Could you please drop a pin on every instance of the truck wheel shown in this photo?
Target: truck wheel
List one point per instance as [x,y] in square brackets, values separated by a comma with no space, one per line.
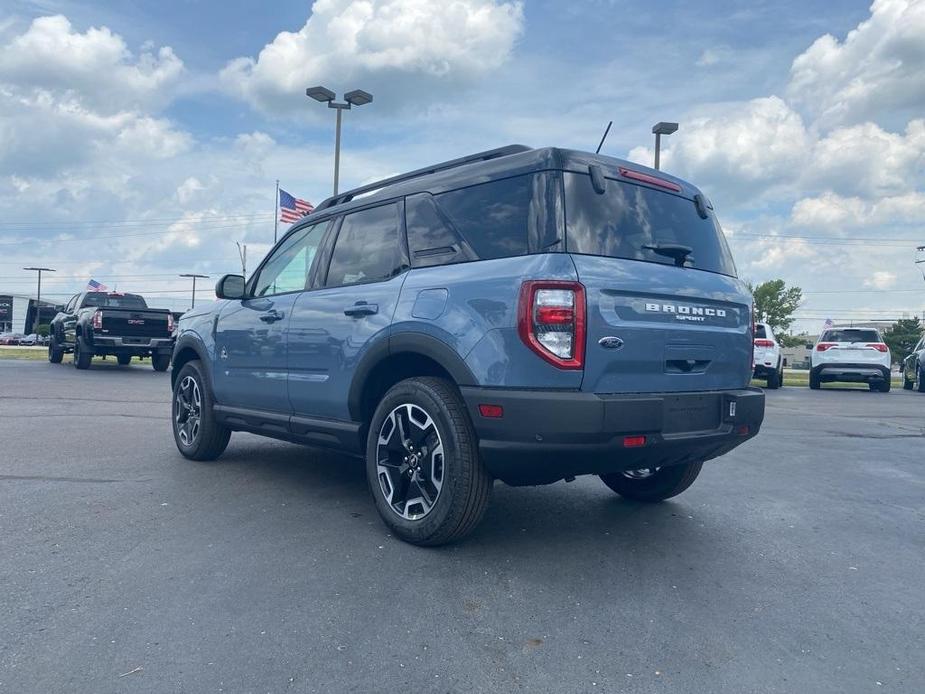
[55,353]
[124,359]
[160,362]
[813,381]
[653,484]
[82,354]
[197,435]
[423,465]
[774,380]
[920,380]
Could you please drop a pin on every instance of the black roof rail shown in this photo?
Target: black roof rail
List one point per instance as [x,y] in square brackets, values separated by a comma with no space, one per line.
[349,195]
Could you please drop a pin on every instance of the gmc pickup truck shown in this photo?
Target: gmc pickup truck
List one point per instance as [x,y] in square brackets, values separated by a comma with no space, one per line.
[97,324]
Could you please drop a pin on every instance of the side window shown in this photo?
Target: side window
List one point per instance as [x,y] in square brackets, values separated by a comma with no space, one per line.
[72,304]
[289,268]
[430,240]
[499,219]
[368,247]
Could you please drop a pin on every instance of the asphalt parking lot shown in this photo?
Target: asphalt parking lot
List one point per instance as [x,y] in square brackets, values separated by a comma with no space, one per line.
[794,564]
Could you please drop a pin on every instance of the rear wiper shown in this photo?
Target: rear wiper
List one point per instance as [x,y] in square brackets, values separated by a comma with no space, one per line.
[677,251]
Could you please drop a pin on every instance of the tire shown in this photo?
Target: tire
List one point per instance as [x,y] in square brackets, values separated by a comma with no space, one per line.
[451,489]
[55,353]
[884,387]
[774,380]
[160,362]
[82,354]
[907,384]
[920,380]
[663,484]
[206,439]
[813,381]
[124,359]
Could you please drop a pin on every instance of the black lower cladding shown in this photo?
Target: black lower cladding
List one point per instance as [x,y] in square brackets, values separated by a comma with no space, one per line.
[860,373]
[544,436]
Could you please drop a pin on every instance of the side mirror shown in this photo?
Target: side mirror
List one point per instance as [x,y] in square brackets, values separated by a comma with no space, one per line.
[230,287]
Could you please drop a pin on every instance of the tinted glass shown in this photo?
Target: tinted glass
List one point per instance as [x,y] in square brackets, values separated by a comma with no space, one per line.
[289,268]
[850,335]
[760,331]
[620,222]
[430,239]
[497,218]
[114,301]
[368,248]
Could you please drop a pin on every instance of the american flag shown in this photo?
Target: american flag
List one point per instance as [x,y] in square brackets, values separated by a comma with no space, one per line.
[292,209]
[94,286]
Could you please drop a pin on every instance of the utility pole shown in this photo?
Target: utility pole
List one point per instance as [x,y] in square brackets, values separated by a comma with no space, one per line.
[38,295]
[242,254]
[194,276]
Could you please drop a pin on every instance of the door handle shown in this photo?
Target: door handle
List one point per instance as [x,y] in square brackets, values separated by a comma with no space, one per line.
[361,308]
[271,316]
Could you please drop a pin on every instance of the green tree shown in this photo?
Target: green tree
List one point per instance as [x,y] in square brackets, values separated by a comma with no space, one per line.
[793,340]
[902,336]
[775,303]
[43,329]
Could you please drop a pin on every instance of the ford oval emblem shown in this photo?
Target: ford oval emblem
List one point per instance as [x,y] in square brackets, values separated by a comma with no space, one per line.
[610,342]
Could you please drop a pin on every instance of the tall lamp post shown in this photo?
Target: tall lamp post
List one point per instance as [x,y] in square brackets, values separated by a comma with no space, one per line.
[355,98]
[659,129]
[38,295]
[194,276]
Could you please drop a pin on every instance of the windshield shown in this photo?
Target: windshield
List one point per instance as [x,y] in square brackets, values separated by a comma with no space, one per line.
[626,218]
[851,335]
[115,300]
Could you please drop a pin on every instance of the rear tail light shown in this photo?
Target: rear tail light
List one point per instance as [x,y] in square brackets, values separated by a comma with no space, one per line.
[551,321]
[764,343]
[170,323]
[823,346]
[98,320]
[879,346]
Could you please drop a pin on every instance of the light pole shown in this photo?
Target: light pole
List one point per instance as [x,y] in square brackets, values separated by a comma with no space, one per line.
[194,276]
[38,295]
[355,98]
[659,129]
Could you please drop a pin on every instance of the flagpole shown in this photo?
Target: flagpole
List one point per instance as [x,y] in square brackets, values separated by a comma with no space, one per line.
[276,212]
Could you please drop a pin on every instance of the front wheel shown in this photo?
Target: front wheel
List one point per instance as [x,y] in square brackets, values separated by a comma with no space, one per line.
[423,465]
[55,353]
[920,380]
[124,359]
[653,484]
[813,381]
[160,362]
[197,435]
[774,379]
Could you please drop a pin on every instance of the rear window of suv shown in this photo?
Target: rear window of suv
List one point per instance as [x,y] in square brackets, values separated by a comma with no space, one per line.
[850,335]
[619,222]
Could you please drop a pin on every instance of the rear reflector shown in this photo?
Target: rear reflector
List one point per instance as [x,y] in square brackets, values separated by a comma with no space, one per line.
[879,346]
[491,411]
[742,430]
[651,180]
[634,441]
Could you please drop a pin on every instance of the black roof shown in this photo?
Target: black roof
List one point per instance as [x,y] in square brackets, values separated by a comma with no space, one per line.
[483,167]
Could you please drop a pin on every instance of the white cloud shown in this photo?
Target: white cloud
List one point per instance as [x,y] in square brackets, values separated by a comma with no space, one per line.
[881,279]
[95,68]
[401,43]
[880,65]
[832,211]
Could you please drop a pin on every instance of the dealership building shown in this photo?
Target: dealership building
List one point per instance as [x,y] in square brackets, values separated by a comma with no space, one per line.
[17,313]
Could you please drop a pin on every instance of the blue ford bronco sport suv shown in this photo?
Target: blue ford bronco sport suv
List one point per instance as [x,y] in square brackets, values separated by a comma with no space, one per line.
[522,314]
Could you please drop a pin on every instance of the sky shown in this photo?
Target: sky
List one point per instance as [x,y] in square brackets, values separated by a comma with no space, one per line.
[141,140]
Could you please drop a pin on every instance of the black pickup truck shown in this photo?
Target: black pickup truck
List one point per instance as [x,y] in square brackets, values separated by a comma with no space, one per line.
[97,324]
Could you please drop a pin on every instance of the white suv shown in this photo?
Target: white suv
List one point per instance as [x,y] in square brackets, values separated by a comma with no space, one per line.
[768,361]
[856,355]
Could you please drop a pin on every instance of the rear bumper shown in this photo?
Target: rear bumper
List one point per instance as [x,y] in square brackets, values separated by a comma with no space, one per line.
[546,436]
[133,345]
[857,373]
